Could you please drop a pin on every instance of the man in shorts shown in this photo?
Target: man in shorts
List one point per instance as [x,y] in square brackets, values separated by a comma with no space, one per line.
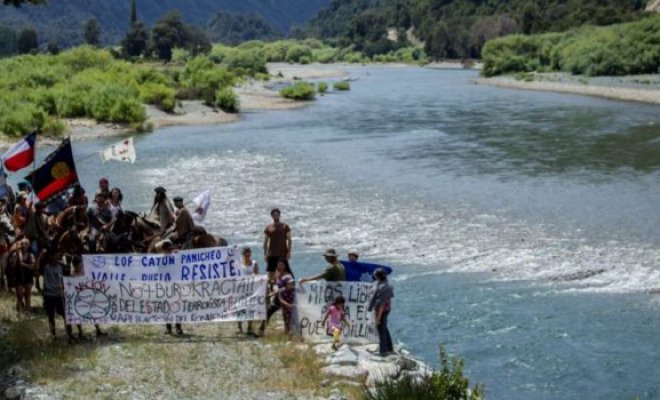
[53,291]
[277,244]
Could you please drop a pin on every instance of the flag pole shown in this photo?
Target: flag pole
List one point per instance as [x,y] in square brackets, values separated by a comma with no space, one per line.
[34,163]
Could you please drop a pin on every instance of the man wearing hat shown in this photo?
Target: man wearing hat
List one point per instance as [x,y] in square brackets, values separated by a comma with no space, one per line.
[183,222]
[162,212]
[334,271]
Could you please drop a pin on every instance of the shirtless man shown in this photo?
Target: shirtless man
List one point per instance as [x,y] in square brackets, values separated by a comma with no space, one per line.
[277,243]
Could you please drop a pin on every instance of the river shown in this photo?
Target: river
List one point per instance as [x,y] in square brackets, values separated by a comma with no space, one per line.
[523,226]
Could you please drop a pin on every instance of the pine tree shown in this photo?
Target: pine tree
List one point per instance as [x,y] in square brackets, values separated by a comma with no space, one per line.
[134,17]
[27,41]
[92,32]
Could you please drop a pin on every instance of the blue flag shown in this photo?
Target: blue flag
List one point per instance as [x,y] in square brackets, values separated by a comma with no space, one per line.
[362,272]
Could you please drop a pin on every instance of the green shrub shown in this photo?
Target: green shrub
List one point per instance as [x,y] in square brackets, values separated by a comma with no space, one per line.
[251,61]
[83,57]
[341,85]
[227,100]
[115,103]
[20,117]
[298,91]
[296,52]
[324,55]
[159,95]
[53,126]
[448,383]
[321,87]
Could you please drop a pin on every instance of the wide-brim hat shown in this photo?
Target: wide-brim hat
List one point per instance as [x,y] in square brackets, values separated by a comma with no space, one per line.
[160,189]
[330,253]
[177,199]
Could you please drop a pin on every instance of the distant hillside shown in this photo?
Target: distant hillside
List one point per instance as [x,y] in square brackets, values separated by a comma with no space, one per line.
[459,28]
[62,20]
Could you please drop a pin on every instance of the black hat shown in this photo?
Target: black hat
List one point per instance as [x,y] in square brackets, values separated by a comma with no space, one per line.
[177,199]
[160,189]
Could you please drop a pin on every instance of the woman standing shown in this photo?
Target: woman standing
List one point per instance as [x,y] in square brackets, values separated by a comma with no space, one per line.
[381,304]
[248,267]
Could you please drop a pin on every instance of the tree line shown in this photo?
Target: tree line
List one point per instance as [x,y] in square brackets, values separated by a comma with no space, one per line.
[140,39]
[457,28]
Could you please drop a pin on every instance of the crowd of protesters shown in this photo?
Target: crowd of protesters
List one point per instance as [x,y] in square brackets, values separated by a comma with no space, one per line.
[45,241]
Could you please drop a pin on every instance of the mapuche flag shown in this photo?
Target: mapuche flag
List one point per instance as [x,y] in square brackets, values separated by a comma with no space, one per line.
[56,174]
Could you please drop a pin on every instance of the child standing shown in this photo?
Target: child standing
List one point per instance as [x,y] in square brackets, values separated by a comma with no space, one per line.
[337,315]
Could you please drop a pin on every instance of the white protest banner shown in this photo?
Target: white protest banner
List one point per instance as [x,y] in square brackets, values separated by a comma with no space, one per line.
[313,300]
[134,302]
[185,265]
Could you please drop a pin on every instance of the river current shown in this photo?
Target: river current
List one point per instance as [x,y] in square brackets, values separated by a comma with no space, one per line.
[522,226]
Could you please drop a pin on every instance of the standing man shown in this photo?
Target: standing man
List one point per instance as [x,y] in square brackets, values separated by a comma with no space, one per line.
[334,271]
[277,244]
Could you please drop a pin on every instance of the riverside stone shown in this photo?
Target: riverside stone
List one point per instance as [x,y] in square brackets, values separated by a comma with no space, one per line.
[344,356]
[14,393]
[345,371]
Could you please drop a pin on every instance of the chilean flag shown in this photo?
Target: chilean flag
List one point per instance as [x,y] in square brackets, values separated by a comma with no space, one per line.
[21,154]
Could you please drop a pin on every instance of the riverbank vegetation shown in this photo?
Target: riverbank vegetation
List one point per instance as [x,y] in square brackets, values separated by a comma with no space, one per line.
[39,91]
[455,29]
[448,382]
[622,49]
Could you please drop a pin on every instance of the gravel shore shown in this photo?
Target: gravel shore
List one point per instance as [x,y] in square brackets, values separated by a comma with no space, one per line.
[623,89]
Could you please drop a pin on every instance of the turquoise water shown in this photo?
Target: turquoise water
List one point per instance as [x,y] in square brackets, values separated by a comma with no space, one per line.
[523,226]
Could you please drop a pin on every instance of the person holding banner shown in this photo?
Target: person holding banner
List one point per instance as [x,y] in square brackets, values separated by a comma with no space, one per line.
[249,267]
[167,247]
[334,271]
[285,297]
[381,304]
[53,293]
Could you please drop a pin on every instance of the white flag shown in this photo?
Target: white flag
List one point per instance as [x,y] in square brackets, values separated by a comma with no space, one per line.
[122,151]
[202,203]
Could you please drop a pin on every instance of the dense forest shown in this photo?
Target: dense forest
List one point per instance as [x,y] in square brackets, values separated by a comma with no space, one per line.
[62,21]
[457,28]
[230,28]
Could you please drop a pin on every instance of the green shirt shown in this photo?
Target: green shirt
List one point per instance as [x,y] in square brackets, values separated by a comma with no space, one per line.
[334,272]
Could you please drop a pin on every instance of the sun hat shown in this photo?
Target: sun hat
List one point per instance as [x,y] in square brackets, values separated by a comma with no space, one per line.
[330,253]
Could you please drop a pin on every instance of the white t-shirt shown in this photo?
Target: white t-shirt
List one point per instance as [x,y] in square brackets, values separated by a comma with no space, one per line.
[248,269]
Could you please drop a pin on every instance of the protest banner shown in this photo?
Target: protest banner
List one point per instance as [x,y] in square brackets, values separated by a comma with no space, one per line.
[136,302]
[313,300]
[186,265]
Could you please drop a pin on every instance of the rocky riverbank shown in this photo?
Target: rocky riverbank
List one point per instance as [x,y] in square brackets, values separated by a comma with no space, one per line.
[644,89]
[209,361]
